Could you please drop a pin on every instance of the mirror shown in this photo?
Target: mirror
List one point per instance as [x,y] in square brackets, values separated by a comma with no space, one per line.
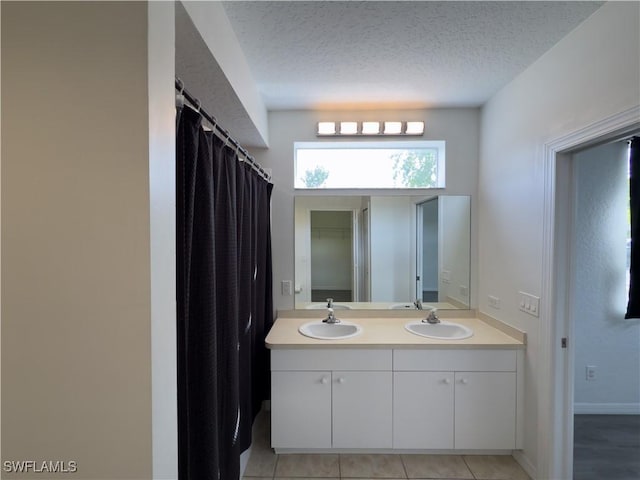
[382,252]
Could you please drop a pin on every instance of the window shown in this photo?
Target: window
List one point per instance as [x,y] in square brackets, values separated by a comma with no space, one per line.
[369,165]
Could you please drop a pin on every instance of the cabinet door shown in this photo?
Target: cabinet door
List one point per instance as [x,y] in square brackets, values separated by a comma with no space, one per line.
[301,409]
[362,409]
[423,410]
[485,410]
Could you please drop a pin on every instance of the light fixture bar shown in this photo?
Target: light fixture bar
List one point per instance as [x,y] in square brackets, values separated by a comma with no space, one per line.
[370,128]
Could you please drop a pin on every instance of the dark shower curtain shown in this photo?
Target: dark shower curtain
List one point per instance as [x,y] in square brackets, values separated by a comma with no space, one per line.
[224,300]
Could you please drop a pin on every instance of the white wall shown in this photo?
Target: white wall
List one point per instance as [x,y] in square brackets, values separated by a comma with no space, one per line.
[458,127]
[76,290]
[162,205]
[454,213]
[392,250]
[591,74]
[603,338]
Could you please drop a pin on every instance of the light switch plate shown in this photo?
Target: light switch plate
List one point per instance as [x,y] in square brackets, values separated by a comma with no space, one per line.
[529,304]
[494,301]
[287,287]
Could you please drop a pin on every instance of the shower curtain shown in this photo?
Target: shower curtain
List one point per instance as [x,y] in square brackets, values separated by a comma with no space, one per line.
[224,300]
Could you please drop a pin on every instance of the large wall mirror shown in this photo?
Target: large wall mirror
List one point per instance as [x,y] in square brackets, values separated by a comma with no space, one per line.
[382,252]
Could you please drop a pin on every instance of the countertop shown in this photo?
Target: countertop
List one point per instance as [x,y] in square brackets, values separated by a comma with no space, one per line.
[389,332]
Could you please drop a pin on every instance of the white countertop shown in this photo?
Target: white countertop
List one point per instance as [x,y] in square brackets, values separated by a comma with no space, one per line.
[389,332]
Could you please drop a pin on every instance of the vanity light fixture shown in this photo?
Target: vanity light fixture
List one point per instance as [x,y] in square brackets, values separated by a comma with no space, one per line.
[414,128]
[326,128]
[392,128]
[348,128]
[370,128]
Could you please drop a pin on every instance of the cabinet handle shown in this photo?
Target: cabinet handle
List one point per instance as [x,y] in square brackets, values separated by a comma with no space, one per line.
[324,380]
[446,381]
[341,380]
[464,381]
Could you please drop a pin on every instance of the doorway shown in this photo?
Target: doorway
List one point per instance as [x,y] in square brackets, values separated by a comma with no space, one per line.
[332,256]
[606,374]
[427,253]
[555,406]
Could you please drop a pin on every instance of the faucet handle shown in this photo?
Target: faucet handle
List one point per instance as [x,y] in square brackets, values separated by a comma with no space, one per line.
[329,302]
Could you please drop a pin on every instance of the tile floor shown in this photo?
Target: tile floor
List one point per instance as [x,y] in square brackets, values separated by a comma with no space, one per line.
[264,464]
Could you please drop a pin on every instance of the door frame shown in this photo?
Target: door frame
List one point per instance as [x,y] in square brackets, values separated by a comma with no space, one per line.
[555,373]
[355,246]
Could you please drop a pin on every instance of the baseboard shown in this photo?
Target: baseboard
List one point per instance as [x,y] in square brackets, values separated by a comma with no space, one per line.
[606,408]
[525,463]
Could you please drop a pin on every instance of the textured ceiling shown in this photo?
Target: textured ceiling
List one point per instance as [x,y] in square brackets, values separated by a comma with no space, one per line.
[326,54]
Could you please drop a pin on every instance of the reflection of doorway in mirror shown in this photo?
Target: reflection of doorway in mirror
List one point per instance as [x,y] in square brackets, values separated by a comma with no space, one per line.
[332,246]
[427,255]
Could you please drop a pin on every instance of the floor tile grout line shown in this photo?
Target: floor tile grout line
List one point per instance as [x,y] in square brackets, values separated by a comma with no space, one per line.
[406,473]
[275,466]
[468,467]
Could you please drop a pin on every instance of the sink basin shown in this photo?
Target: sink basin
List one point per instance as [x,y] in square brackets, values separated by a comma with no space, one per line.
[441,331]
[323,306]
[330,331]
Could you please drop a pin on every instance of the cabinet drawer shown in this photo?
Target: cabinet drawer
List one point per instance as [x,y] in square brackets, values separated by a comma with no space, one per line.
[331,359]
[455,360]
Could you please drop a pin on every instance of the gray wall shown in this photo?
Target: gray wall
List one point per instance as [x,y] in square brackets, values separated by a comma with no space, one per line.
[603,338]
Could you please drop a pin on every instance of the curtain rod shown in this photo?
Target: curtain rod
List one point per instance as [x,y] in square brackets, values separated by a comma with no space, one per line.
[221,132]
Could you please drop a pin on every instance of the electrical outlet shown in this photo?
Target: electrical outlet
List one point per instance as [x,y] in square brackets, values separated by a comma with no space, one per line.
[494,301]
[590,373]
[464,290]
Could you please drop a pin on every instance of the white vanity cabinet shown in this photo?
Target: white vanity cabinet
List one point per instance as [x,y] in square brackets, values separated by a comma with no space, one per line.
[331,398]
[460,399]
[301,409]
[423,410]
[401,399]
[485,410]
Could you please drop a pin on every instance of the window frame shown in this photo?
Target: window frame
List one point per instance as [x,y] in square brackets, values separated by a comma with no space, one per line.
[438,145]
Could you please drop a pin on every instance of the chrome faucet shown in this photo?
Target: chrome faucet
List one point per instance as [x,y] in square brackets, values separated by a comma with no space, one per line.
[432,317]
[331,318]
[418,304]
